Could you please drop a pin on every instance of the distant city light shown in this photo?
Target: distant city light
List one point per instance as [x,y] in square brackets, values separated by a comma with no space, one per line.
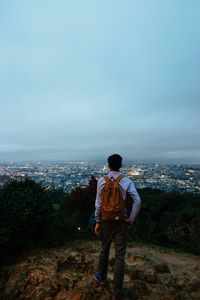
[68,176]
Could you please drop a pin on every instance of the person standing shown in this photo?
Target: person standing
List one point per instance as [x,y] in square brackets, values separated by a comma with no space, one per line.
[114,228]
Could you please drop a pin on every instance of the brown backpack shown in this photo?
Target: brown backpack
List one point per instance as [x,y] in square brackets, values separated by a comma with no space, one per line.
[112,204]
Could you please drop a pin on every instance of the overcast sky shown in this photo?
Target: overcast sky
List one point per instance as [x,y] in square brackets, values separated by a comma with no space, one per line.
[84,79]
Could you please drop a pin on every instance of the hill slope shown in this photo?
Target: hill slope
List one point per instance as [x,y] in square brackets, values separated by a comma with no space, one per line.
[66,274]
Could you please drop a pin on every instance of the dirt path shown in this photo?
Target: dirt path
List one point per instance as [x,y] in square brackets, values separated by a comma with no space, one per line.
[173,259]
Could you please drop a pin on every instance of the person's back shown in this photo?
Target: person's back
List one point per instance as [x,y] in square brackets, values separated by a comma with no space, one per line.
[114,229]
[112,202]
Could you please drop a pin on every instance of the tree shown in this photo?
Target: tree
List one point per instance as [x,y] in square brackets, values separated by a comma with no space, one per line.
[25,213]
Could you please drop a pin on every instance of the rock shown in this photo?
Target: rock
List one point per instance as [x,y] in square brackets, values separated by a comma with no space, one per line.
[132,294]
[34,284]
[65,274]
[181,295]
[151,276]
[75,262]
[141,286]
[137,259]
[72,296]
[136,272]
[168,297]
[62,295]
[194,284]
[161,268]
[136,290]
[66,280]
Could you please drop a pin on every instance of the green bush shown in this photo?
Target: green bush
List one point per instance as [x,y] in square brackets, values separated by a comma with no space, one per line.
[26,213]
[169,219]
[79,204]
[65,226]
[29,218]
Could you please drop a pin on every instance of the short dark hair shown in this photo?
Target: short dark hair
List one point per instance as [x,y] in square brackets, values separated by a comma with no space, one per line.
[115,162]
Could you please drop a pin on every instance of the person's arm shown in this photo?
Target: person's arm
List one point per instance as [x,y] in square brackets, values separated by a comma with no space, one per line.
[136,202]
[98,207]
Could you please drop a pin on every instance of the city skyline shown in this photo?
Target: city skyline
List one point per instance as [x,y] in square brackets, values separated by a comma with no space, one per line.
[83,80]
[69,175]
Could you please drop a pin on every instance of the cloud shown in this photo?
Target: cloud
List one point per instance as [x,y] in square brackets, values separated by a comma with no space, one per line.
[84,79]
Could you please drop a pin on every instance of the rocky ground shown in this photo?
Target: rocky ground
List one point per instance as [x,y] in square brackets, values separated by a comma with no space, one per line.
[66,274]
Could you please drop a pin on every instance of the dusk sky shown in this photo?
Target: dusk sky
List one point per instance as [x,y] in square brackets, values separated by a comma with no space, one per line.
[80,80]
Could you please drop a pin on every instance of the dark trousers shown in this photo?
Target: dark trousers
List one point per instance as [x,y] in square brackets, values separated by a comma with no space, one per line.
[113,231]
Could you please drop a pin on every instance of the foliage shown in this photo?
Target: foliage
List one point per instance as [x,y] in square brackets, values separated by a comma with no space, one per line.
[30,216]
[79,205]
[169,219]
[26,213]
[56,195]
[166,218]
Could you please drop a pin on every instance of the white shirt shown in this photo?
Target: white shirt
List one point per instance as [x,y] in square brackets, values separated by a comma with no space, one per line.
[127,186]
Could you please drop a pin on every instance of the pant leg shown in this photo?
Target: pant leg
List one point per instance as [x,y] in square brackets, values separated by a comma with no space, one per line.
[120,251]
[107,235]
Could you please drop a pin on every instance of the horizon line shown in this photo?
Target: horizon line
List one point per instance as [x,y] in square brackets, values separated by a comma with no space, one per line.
[145,161]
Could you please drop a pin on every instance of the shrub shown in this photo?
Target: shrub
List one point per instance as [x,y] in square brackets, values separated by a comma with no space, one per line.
[169,219]
[25,213]
[79,205]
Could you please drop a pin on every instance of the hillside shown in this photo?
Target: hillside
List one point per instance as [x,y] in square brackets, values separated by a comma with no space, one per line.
[65,273]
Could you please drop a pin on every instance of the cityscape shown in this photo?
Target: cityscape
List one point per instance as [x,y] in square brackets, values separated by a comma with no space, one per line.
[70,175]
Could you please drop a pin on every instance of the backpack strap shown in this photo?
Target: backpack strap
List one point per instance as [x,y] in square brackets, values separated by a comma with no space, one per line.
[117,180]
[107,179]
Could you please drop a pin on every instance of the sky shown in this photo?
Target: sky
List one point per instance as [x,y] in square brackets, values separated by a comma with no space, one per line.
[80,80]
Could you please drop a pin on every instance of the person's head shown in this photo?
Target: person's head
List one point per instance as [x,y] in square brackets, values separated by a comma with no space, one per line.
[115,162]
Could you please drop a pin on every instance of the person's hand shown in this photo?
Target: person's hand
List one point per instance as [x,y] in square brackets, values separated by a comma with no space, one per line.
[97,228]
[129,223]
